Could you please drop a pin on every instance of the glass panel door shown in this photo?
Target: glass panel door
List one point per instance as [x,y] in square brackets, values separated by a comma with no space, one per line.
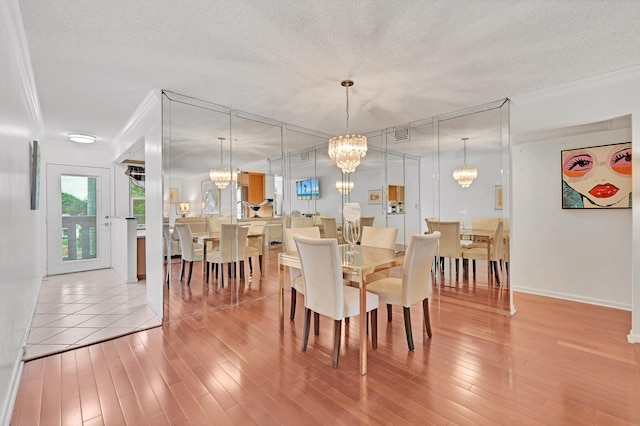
[78,230]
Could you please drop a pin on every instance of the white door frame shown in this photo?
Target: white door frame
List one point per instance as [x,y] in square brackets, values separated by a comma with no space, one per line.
[55,264]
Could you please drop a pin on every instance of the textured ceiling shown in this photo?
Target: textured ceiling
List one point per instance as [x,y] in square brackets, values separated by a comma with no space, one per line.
[94,61]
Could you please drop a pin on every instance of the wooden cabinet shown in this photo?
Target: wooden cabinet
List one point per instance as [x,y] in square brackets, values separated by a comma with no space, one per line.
[141,258]
[396,193]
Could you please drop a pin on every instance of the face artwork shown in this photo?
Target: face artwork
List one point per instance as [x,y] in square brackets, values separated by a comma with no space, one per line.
[600,175]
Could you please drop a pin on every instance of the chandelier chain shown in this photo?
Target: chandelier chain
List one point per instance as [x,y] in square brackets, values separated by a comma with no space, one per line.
[347,89]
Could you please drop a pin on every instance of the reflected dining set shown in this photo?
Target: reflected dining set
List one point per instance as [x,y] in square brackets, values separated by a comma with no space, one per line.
[487,239]
[340,281]
[223,244]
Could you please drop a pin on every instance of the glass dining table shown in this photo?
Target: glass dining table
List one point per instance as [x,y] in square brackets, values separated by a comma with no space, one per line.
[355,263]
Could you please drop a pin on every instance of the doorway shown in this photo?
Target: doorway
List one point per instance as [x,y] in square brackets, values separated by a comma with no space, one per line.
[78,219]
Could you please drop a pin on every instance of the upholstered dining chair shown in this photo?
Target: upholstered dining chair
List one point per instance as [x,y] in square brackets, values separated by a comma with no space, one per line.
[491,251]
[415,284]
[295,275]
[329,227]
[255,245]
[450,245]
[365,221]
[376,236]
[230,251]
[188,251]
[325,293]
[301,222]
[166,235]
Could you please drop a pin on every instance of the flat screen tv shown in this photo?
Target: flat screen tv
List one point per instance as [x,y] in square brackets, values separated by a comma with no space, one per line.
[307,189]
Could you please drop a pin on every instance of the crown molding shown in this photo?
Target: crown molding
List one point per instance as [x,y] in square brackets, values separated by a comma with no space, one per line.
[12,20]
[153,98]
[615,77]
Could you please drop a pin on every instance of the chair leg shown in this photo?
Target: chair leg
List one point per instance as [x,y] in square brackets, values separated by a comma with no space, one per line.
[305,333]
[474,268]
[182,269]
[389,313]
[206,279]
[337,334]
[407,327]
[427,320]
[190,271]
[261,264]
[316,324]
[294,294]
[374,328]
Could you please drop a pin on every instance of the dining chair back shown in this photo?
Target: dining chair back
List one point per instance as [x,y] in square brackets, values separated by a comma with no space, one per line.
[325,293]
[231,250]
[255,245]
[329,227]
[365,221]
[188,252]
[415,284]
[301,222]
[376,236]
[295,275]
[491,251]
[166,236]
[449,245]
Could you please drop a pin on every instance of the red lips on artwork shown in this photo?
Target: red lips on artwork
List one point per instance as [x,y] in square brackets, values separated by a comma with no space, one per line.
[604,191]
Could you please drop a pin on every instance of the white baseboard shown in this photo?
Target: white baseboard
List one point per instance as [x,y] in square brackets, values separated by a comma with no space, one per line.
[6,410]
[633,338]
[572,297]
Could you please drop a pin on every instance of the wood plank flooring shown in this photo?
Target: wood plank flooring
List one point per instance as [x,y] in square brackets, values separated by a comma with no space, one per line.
[221,359]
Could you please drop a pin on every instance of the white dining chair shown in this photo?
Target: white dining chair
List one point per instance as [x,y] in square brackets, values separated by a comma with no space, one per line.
[376,236]
[325,293]
[295,274]
[231,250]
[415,284]
[188,252]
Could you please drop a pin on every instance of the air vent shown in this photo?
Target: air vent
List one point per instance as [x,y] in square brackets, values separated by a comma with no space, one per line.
[304,156]
[401,133]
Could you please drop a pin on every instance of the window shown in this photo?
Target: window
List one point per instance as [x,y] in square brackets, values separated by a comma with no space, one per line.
[138,207]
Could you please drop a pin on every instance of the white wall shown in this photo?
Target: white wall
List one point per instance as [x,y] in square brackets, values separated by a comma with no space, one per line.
[587,101]
[580,254]
[21,246]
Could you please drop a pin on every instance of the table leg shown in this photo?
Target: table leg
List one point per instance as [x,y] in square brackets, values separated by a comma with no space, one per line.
[281,294]
[363,327]
[204,261]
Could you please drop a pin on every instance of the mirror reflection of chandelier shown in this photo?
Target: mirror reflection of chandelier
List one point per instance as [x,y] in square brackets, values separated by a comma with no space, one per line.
[343,186]
[347,151]
[467,174]
[221,177]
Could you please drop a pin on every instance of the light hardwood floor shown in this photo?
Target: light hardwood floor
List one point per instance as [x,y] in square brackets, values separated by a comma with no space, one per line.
[221,359]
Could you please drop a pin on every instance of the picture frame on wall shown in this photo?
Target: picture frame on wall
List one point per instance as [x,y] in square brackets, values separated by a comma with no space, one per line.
[374,196]
[173,195]
[597,177]
[210,197]
[497,197]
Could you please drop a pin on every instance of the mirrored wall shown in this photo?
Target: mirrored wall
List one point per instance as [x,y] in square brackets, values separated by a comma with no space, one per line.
[275,169]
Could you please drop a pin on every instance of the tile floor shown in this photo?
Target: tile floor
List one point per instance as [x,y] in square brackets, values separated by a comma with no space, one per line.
[87,307]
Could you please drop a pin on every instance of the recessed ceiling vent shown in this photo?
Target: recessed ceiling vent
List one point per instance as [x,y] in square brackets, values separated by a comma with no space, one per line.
[401,133]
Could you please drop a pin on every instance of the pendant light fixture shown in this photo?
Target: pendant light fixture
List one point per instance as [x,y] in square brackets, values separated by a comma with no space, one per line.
[344,186]
[221,177]
[347,151]
[467,174]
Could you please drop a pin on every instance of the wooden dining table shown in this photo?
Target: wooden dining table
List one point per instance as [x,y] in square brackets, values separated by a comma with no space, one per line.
[354,266]
[211,237]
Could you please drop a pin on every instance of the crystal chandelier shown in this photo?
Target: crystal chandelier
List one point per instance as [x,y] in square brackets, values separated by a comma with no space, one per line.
[467,174]
[221,177]
[344,187]
[347,151]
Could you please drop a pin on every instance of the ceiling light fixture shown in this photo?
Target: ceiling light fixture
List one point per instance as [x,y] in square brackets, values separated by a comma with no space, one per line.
[343,186]
[466,174]
[347,151]
[81,138]
[221,177]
